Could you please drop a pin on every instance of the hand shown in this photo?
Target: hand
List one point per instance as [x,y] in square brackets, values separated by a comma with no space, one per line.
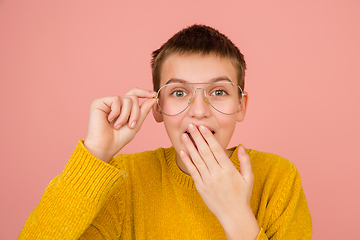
[225,190]
[115,120]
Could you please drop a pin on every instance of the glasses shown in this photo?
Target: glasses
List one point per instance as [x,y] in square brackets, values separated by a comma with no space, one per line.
[224,96]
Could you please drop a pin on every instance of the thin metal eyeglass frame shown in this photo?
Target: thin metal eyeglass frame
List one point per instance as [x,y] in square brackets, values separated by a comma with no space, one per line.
[193,96]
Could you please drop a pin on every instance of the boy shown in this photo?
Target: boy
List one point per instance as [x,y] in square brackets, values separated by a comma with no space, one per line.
[198,188]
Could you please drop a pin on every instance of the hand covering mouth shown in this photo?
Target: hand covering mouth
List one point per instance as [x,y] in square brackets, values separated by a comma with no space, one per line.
[188,133]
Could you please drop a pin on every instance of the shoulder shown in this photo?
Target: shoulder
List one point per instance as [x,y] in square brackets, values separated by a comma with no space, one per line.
[269,160]
[272,167]
[146,159]
[274,176]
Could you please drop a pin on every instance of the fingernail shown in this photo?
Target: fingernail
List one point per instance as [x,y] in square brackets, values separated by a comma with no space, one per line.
[182,154]
[133,124]
[202,129]
[117,127]
[242,150]
[153,93]
[191,127]
[185,137]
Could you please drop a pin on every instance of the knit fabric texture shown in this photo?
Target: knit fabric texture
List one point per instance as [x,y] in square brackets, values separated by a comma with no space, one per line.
[146,196]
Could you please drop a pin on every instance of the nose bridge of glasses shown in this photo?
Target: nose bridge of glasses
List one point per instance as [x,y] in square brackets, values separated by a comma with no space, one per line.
[204,95]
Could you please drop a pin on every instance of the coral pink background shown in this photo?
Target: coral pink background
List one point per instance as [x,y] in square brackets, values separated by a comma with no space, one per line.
[303,81]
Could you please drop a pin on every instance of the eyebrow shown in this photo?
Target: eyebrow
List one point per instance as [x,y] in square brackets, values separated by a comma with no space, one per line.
[216,79]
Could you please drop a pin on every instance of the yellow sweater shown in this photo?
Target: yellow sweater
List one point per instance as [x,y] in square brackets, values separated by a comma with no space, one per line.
[146,196]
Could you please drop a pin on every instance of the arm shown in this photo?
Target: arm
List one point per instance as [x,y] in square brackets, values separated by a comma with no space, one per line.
[73,199]
[225,191]
[287,214]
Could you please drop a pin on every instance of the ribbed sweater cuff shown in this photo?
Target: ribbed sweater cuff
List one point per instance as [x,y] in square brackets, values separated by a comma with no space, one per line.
[88,175]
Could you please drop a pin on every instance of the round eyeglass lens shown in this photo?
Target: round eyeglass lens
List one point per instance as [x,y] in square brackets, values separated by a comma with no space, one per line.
[223,96]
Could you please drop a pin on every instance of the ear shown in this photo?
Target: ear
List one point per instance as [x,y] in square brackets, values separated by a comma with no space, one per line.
[242,111]
[157,113]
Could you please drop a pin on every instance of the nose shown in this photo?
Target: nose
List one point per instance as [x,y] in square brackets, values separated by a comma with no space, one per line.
[199,107]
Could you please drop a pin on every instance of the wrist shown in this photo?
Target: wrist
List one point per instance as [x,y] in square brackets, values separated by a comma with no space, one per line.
[98,152]
[242,225]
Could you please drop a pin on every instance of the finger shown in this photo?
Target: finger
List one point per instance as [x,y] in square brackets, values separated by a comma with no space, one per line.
[125,110]
[195,156]
[193,171]
[218,152]
[144,111]
[141,93]
[203,148]
[135,112]
[245,164]
[110,106]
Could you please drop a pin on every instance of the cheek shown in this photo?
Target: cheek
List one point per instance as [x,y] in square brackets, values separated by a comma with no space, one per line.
[172,125]
[171,122]
[227,127]
[229,121]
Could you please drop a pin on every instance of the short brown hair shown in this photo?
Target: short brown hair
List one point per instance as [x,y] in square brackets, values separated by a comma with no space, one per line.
[198,39]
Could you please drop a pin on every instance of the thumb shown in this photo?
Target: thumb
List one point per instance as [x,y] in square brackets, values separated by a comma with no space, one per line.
[245,165]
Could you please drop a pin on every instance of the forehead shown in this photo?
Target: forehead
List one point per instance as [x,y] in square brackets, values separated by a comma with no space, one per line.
[197,68]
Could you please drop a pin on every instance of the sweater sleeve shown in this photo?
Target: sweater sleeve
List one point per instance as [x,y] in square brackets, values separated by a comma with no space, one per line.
[288,215]
[73,199]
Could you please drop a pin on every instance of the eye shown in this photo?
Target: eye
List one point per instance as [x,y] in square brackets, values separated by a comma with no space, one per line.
[178,93]
[219,93]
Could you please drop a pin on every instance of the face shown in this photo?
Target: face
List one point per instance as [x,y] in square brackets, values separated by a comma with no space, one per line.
[198,69]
